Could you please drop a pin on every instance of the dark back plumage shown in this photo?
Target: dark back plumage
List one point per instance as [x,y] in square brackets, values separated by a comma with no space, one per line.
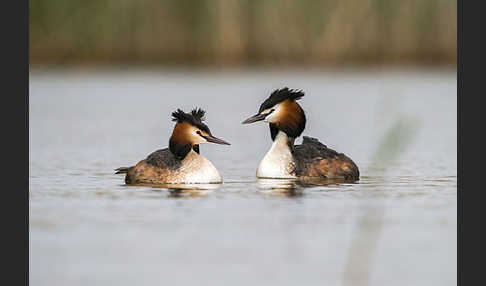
[314,159]
[163,158]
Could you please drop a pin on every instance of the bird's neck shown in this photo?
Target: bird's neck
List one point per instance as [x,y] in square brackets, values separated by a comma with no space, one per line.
[283,142]
[278,161]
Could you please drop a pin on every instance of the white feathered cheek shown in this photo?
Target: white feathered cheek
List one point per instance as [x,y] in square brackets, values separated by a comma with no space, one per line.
[195,137]
[273,113]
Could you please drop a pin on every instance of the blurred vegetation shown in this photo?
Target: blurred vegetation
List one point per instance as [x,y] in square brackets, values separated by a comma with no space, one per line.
[239,32]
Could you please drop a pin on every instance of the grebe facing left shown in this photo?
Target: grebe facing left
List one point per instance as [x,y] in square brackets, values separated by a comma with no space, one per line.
[181,162]
[311,159]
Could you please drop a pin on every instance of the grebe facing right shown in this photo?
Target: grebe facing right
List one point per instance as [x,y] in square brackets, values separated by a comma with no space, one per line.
[311,159]
[181,162]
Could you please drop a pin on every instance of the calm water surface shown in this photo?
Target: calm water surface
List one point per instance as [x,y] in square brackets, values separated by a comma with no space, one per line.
[396,226]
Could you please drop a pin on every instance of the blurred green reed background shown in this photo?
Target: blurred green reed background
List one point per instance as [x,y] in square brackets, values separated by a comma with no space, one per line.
[238,33]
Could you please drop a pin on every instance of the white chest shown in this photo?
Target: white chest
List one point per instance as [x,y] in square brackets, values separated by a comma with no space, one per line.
[278,161]
[197,169]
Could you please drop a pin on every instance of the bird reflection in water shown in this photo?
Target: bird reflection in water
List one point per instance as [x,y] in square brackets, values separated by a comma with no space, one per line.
[186,190]
[189,191]
[279,188]
[295,187]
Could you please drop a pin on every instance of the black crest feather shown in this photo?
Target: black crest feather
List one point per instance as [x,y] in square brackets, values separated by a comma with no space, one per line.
[196,118]
[280,95]
[198,113]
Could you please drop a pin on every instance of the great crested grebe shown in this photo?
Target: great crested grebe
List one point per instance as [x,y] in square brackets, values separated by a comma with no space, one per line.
[311,159]
[181,162]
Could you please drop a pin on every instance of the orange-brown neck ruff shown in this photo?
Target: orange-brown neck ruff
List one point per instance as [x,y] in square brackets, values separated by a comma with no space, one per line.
[179,143]
[291,120]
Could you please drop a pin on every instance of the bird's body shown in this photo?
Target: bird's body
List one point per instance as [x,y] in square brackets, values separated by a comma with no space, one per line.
[163,167]
[315,160]
[311,159]
[284,160]
[181,163]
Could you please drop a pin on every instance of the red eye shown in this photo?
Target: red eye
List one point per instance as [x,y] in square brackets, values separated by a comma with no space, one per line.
[198,132]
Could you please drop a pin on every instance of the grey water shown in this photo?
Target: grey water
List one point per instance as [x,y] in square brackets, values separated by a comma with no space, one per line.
[396,226]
